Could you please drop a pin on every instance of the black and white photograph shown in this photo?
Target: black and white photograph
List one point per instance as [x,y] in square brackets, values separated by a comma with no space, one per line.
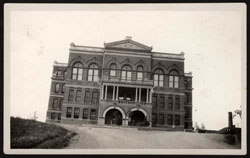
[125,78]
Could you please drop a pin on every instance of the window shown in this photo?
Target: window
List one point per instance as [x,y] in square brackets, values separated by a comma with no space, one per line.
[85,113]
[59,116]
[154,118]
[177,103]
[177,120]
[139,73]
[161,119]
[65,74]
[93,73]
[186,84]
[76,112]
[87,97]
[55,102]
[170,119]
[57,87]
[63,87]
[57,73]
[69,112]
[154,101]
[173,79]
[95,97]
[170,103]
[71,95]
[112,72]
[126,73]
[77,71]
[53,116]
[161,102]
[92,114]
[158,78]
[78,96]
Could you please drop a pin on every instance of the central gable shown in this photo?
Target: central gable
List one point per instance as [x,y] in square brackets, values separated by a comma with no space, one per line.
[128,44]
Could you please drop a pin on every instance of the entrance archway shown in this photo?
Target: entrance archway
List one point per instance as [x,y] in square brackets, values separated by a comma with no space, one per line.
[137,118]
[113,117]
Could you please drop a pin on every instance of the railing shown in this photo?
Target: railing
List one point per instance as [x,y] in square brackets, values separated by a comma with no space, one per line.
[128,102]
[130,81]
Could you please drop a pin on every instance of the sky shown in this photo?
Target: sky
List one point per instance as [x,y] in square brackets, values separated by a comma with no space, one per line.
[211,41]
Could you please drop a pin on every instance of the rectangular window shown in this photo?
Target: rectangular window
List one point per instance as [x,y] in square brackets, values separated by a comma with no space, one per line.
[85,113]
[177,120]
[55,103]
[95,75]
[90,75]
[57,87]
[161,119]
[94,97]
[123,75]
[53,116]
[59,116]
[92,114]
[161,102]
[78,96]
[63,87]
[154,118]
[76,112]
[170,103]
[160,80]
[176,82]
[79,77]
[154,101]
[128,75]
[69,112]
[139,76]
[71,95]
[74,74]
[170,119]
[156,80]
[177,103]
[171,81]
[87,97]
[112,73]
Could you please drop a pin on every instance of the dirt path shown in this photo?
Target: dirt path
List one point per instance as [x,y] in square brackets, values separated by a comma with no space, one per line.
[109,138]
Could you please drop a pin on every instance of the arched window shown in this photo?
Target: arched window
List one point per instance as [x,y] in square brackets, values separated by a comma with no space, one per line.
[77,71]
[57,86]
[139,75]
[112,72]
[158,78]
[173,79]
[93,73]
[126,73]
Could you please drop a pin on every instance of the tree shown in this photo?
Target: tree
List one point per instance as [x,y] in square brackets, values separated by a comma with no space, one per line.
[196,126]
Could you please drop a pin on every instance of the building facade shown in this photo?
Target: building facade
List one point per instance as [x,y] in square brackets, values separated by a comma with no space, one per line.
[125,83]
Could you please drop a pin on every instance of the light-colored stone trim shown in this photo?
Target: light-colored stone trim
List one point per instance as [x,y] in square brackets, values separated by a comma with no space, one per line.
[85,52]
[132,54]
[81,86]
[54,95]
[168,59]
[163,92]
[114,107]
[53,80]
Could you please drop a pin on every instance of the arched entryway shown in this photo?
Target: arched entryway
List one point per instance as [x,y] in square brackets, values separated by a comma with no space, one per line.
[137,118]
[113,117]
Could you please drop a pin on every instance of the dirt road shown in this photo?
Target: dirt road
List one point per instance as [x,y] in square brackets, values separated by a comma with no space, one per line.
[109,138]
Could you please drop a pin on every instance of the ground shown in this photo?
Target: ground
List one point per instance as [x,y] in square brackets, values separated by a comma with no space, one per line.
[91,137]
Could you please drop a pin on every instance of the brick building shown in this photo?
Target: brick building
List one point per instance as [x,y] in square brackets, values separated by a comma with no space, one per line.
[125,83]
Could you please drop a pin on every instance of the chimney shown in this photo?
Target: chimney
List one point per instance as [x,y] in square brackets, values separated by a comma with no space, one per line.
[128,37]
[230,120]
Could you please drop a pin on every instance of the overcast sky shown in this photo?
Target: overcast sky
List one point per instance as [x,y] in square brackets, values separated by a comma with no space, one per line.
[211,41]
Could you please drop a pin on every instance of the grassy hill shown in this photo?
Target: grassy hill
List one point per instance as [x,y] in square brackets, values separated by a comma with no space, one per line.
[26,133]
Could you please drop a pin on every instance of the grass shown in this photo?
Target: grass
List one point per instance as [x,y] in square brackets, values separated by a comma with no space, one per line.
[26,133]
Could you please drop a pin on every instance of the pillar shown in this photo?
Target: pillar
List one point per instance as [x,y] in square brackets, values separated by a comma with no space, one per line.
[106,92]
[150,95]
[147,96]
[113,93]
[117,92]
[139,94]
[136,92]
[102,92]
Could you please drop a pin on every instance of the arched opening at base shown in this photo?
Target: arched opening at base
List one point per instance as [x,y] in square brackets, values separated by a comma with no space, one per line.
[137,118]
[113,117]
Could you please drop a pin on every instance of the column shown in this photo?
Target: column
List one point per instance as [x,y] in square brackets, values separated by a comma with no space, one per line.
[150,95]
[113,93]
[106,92]
[102,92]
[139,94]
[136,92]
[117,92]
[147,96]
